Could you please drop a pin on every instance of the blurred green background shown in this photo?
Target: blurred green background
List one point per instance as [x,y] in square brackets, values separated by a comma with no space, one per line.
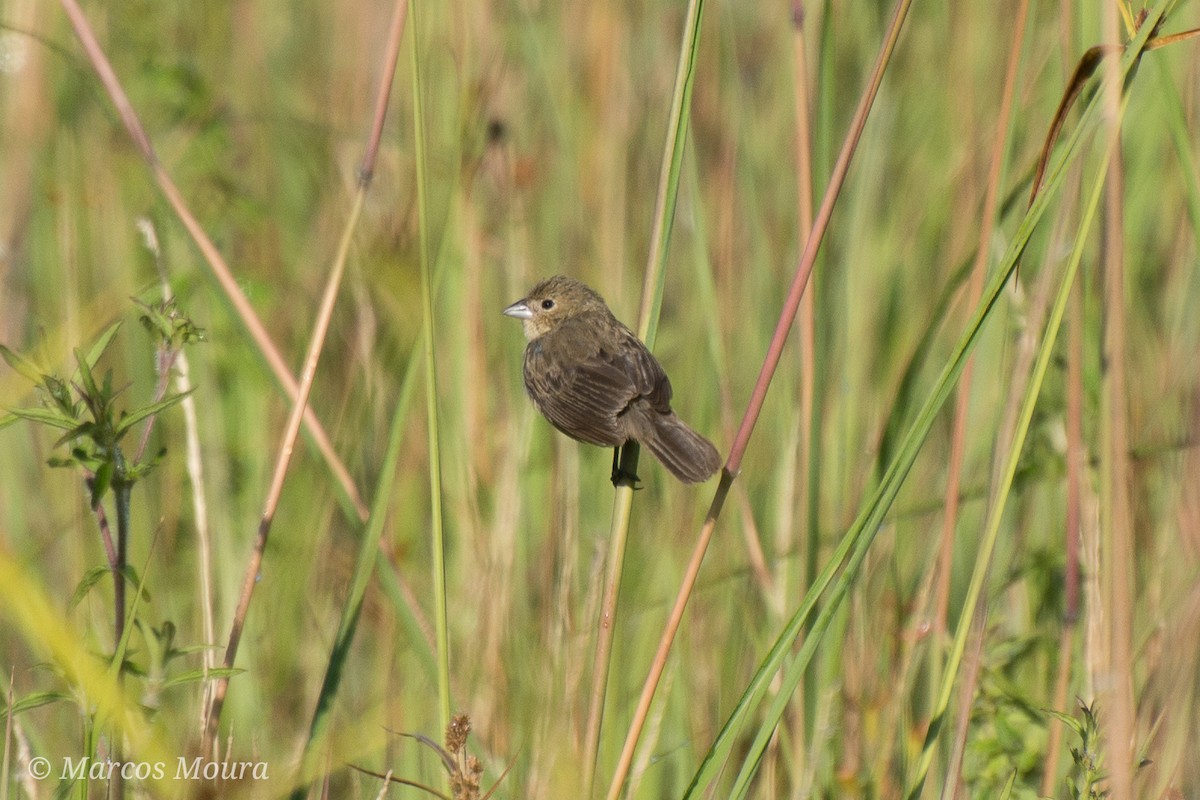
[545,125]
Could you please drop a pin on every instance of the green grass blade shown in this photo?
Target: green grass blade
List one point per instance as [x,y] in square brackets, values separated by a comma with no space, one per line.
[436,530]
[672,168]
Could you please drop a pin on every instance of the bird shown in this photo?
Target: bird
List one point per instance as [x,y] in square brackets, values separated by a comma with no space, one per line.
[595,381]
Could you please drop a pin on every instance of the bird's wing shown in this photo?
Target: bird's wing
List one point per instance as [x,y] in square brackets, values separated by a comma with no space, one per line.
[646,376]
[583,381]
[580,397]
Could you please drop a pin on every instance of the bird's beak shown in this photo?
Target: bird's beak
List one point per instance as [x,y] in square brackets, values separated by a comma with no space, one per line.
[518,310]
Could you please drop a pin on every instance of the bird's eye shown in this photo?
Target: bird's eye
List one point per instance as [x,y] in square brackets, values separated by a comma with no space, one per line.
[547,304]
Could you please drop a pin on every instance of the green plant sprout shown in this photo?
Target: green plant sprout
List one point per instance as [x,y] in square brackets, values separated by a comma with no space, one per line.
[85,409]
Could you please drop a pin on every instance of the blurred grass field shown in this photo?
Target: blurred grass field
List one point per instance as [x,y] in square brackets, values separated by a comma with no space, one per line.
[545,127]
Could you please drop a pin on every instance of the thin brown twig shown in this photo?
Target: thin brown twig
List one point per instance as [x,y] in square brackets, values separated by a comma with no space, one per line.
[783,327]
[807,312]
[808,256]
[388,777]
[1172,38]
[391,57]
[1117,515]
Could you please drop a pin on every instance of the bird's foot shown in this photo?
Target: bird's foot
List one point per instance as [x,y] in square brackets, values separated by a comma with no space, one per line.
[621,475]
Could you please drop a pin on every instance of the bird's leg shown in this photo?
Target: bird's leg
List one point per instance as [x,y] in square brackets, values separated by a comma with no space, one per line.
[624,468]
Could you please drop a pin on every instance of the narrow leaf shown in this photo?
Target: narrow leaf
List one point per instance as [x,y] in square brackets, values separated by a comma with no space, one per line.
[139,586]
[196,675]
[21,364]
[101,344]
[134,417]
[447,759]
[85,375]
[86,429]
[36,700]
[46,416]
[90,579]
[61,395]
[101,482]
[1006,792]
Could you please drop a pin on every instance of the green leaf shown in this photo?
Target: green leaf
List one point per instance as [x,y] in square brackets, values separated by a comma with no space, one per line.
[135,580]
[21,364]
[1006,792]
[8,419]
[36,700]
[101,482]
[134,417]
[118,662]
[1067,720]
[88,429]
[61,395]
[89,580]
[196,675]
[90,389]
[46,416]
[101,344]
[166,633]
[187,650]
[154,320]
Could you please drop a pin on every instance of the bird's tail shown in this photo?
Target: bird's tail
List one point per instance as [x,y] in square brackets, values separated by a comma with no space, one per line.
[689,456]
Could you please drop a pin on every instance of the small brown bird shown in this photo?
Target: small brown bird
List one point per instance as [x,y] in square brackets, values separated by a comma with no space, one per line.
[597,383]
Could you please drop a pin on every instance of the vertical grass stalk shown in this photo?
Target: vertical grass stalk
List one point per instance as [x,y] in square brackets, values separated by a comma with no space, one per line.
[436,530]
[1116,513]
[647,329]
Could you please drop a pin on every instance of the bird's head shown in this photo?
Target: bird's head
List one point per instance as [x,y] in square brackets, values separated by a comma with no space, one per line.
[552,302]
